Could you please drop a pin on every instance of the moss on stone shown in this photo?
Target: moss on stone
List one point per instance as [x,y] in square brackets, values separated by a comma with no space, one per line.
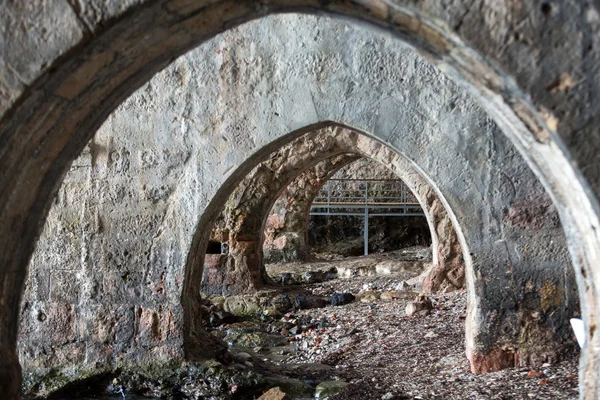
[550,296]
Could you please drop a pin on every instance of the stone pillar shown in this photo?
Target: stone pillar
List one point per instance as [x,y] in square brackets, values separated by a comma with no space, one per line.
[448,273]
[286,227]
[526,305]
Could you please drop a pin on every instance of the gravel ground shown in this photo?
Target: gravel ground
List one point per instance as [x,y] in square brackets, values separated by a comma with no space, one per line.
[384,354]
[369,343]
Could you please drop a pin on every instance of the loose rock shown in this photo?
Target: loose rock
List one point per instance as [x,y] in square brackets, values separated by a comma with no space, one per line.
[307,302]
[274,394]
[339,299]
[421,303]
[326,390]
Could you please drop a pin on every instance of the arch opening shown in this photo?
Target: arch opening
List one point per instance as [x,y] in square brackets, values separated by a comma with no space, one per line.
[497,358]
[335,229]
[242,221]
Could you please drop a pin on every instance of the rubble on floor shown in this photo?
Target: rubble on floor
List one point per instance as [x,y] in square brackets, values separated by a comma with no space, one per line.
[391,343]
[369,337]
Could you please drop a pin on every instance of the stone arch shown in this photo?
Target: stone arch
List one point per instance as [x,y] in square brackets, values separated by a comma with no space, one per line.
[487,349]
[241,270]
[96,59]
[246,212]
[295,201]
[447,258]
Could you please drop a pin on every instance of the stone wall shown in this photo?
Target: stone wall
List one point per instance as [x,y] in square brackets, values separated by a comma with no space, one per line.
[364,168]
[102,290]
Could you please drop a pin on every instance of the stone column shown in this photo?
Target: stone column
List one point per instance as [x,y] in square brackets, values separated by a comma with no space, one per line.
[286,228]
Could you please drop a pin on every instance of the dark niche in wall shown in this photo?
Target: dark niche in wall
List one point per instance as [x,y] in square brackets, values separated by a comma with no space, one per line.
[213,247]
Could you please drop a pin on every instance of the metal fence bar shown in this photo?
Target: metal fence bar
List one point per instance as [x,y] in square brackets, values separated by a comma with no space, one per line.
[366,231]
[372,197]
[394,206]
[360,214]
[328,194]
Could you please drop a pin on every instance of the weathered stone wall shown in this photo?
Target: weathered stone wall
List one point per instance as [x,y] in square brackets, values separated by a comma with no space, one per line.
[124,220]
[102,290]
[364,168]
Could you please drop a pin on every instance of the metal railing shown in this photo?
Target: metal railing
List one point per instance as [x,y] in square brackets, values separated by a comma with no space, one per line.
[366,198]
[352,197]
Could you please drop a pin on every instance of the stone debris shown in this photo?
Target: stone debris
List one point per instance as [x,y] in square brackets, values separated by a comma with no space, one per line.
[404,286]
[368,296]
[274,394]
[419,305]
[306,302]
[340,299]
[329,389]
[378,352]
[358,350]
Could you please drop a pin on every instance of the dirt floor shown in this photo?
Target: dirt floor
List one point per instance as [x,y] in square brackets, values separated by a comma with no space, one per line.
[383,354]
[367,348]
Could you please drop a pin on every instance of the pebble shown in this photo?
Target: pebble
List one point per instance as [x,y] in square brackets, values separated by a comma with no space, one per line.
[379,324]
[243,356]
[340,299]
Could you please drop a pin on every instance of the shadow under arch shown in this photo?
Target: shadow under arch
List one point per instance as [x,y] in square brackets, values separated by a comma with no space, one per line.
[43,134]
